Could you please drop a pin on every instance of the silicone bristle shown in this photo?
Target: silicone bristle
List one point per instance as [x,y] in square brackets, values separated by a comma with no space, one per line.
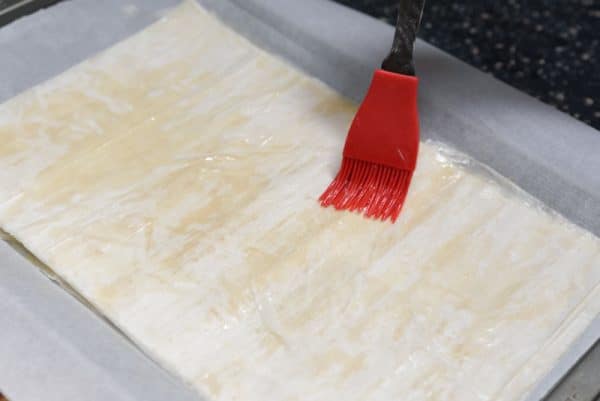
[376,190]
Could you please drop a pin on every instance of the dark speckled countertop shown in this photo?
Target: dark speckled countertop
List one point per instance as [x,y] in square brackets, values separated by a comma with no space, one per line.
[547,48]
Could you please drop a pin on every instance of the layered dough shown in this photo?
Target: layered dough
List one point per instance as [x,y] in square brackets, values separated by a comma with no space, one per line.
[172,180]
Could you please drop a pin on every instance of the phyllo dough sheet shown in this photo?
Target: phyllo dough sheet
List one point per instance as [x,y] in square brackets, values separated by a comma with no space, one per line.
[172,181]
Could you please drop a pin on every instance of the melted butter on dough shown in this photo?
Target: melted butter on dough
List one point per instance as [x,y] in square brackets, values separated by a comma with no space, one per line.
[174,185]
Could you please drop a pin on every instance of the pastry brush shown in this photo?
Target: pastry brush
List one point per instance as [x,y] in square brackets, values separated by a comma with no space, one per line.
[381,148]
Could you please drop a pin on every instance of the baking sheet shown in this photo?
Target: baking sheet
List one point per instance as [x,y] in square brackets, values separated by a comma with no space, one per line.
[340,47]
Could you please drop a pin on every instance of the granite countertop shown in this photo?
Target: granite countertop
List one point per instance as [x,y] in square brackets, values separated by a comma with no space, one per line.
[547,48]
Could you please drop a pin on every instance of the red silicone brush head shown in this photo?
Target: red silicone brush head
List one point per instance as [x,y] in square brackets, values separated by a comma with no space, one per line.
[381,149]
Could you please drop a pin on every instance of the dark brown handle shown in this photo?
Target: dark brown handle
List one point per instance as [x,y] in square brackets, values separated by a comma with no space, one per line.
[400,59]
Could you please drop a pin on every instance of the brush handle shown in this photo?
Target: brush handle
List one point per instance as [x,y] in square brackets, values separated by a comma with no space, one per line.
[400,59]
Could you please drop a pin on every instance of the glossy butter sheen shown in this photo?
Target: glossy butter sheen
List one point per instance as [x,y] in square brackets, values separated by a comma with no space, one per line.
[173,181]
